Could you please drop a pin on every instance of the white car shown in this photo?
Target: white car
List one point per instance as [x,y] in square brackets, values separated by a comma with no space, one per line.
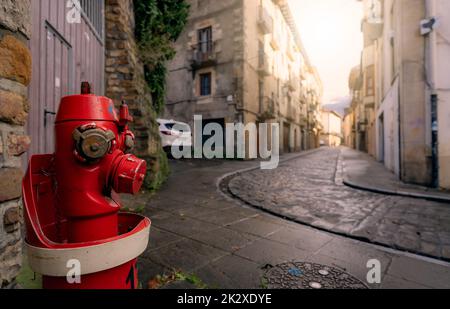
[174,133]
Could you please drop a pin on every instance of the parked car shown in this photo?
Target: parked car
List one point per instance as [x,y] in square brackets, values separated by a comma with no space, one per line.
[174,133]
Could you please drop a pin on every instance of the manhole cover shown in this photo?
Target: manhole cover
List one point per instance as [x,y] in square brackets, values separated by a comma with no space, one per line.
[298,275]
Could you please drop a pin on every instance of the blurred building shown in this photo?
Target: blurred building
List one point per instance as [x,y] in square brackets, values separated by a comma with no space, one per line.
[406,87]
[331,134]
[355,116]
[348,129]
[243,61]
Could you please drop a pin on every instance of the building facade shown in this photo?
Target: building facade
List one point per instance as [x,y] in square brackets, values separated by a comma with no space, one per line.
[331,134]
[407,43]
[243,62]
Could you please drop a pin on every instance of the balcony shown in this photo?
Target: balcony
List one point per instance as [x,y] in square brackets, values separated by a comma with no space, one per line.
[264,65]
[265,21]
[204,55]
[372,30]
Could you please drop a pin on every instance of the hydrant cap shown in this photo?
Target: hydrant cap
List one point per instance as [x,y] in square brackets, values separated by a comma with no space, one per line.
[129,175]
[86,107]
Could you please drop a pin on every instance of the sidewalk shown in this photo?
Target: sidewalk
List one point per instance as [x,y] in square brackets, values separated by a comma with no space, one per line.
[206,240]
[363,172]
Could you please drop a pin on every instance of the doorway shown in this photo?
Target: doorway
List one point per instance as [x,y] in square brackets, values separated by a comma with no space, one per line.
[381,155]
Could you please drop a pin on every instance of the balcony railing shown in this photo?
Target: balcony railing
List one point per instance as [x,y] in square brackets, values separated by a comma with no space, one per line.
[265,21]
[204,54]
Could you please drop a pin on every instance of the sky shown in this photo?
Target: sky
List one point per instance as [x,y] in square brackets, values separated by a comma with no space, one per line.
[331,33]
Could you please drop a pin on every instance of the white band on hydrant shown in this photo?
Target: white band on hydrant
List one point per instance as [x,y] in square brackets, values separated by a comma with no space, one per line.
[93,259]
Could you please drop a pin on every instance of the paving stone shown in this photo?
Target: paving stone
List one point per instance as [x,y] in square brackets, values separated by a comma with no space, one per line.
[224,217]
[356,253]
[255,227]
[267,252]
[430,274]
[148,270]
[393,283]
[225,239]
[231,272]
[160,238]
[186,255]
[196,211]
[302,238]
[183,225]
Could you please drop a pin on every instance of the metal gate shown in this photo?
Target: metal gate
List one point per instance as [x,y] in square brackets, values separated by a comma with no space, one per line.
[66,50]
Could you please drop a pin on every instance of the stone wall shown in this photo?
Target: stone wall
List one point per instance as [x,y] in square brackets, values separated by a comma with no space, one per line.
[125,81]
[15,74]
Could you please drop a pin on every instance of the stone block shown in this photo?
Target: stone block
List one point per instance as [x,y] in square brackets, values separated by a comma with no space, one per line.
[15,15]
[18,144]
[15,60]
[12,107]
[10,183]
[11,220]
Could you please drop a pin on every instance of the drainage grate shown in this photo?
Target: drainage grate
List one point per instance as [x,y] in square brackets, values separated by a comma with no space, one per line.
[299,275]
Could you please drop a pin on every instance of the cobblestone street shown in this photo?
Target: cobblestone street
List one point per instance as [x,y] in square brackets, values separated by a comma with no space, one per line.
[310,190]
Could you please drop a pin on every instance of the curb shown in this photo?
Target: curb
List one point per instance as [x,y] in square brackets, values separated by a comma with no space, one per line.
[379,190]
[396,192]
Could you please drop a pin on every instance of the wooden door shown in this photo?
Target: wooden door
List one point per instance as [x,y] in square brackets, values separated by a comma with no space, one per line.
[65,52]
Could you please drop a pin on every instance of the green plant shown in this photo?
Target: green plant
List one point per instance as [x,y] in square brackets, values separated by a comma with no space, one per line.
[175,276]
[264,283]
[159,172]
[192,279]
[158,25]
[27,279]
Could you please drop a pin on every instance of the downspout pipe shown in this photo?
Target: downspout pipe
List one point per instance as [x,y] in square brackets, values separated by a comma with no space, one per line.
[431,80]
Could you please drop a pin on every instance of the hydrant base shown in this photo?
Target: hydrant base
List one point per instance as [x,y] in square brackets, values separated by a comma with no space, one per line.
[119,278]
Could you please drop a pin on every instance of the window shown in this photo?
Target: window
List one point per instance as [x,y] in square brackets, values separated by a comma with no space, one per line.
[94,13]
[205,40]
[205,84]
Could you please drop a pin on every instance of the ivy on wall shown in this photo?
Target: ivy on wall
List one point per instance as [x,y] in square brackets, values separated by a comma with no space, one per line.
[158,25]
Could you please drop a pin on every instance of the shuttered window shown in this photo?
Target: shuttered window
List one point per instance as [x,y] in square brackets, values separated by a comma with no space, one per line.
[205,84]
[94,11]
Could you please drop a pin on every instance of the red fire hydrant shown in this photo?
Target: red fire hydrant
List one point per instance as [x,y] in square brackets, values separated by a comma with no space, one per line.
[77,238]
